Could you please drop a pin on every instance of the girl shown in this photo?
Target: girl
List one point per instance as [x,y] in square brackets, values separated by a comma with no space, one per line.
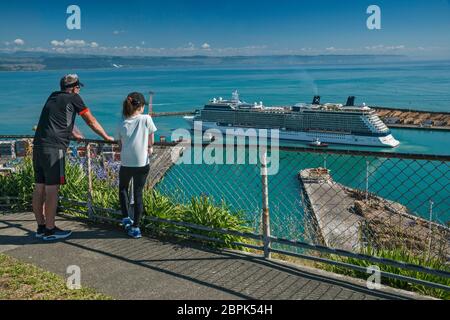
[133,134]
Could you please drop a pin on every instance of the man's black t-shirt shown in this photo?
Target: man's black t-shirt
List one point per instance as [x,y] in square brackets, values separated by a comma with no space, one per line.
[57,120]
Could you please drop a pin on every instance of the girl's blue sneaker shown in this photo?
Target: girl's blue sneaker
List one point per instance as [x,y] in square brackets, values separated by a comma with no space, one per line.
[135,233]
[127,223]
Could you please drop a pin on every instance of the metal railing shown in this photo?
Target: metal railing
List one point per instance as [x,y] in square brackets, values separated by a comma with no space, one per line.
[321,204]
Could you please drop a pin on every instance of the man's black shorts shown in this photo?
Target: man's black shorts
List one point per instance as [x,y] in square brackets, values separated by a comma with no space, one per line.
[49,166]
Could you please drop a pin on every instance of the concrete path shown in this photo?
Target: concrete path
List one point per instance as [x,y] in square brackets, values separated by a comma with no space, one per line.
[155,269]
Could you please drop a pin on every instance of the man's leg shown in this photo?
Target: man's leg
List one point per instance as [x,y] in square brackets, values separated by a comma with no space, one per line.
[39,189]
[51,205]
[38,203]
[54,176]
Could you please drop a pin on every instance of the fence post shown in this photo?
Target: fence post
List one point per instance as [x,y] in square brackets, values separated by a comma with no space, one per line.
[430,231]
[265,212]
[89,173]
[367,179]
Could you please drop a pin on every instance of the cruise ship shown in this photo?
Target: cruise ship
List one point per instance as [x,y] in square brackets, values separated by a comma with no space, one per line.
[329,122]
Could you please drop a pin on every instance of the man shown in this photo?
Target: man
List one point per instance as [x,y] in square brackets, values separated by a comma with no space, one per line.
[55,128]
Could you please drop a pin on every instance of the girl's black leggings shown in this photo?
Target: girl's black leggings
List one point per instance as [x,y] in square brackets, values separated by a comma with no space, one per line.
[139,175]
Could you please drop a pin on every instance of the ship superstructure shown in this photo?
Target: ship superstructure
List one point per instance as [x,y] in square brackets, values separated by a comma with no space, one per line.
[329,122]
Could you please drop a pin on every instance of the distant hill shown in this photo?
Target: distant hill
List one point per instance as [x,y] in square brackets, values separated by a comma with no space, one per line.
[43,61]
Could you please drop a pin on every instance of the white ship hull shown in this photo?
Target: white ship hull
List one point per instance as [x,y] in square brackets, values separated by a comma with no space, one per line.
[334,138]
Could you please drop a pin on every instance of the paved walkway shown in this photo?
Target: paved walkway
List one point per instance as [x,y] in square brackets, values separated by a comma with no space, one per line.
[155,269]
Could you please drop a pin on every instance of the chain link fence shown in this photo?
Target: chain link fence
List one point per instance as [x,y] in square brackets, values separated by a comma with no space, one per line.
[321,203]
[356,200]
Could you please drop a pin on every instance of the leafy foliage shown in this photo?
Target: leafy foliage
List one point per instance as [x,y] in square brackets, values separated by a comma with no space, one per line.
[398,254]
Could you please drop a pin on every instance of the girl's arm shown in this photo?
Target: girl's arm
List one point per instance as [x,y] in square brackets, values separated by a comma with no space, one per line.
[151,142]
[151,136]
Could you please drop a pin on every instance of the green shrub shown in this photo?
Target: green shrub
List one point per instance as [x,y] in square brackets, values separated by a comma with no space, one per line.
[203,211]
[399,254]
[200,211]
[19,184]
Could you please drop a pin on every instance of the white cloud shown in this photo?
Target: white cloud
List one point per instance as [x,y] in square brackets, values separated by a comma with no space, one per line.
[383,48]
[57,43]
[338,50]
[19,42]
[74,43]
[73,46]
[117,32]
[68,43]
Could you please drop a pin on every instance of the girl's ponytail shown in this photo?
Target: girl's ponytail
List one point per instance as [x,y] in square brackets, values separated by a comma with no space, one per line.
[127,108]
[131,104]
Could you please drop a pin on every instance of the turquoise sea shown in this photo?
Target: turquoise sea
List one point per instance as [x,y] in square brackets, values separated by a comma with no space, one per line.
[419,85]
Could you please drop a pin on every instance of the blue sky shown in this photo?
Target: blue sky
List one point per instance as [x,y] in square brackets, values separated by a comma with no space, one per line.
[176,27]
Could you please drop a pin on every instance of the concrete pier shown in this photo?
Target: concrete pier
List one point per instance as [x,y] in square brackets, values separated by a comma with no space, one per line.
[331,208]
[162,159]
[414,119]
[343,219]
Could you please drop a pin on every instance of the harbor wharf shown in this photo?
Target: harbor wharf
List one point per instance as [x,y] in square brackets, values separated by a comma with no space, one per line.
[330,205]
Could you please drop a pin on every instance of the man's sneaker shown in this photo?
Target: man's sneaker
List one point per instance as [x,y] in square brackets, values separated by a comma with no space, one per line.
[56,234]
[127,223]
[40,231]
[135,233]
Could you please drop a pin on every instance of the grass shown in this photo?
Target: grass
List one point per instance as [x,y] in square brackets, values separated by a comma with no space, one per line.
[23,281]
[398,254]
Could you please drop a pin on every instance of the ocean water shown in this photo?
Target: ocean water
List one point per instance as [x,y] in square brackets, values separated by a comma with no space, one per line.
[424,86]
[421,85]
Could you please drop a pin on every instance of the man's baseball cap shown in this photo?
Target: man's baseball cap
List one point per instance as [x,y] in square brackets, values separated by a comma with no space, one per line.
[70,81]
[137,98]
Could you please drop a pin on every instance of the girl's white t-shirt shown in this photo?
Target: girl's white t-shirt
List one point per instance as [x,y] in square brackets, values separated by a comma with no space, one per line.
[133,133]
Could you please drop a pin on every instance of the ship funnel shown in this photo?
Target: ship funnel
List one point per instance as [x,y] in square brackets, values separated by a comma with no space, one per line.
[316,100]
[350,101]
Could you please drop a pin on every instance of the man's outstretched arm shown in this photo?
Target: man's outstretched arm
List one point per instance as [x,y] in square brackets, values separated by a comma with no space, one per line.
[95,126]
[76,133]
